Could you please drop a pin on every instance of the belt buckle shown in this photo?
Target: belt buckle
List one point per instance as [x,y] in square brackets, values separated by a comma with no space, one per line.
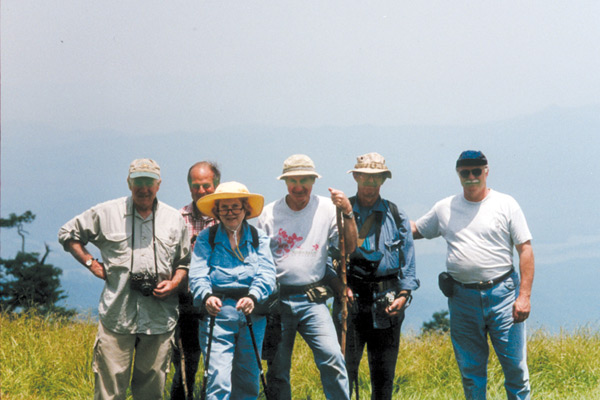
[487,284]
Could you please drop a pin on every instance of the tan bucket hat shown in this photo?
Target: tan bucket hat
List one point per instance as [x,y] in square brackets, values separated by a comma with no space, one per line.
[371,163]
[298,165]
[231,190]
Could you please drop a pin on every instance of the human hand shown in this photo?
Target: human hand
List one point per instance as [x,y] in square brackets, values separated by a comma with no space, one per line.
[213,305]
[521,309]
[246,305]
[98,270]
[339,199]
[396,307]
[164,289]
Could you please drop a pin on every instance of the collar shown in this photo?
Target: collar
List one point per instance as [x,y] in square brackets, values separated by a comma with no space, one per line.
[221,235]
[129,209]
[378,206]
[193,211]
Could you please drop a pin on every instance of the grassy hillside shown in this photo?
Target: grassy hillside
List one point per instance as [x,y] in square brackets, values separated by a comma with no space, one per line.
[51,359]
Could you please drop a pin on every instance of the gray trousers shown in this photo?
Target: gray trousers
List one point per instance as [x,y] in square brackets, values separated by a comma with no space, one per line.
[114,356]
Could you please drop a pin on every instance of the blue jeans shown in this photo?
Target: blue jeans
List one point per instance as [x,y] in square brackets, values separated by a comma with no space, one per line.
[475,314]
[313,322]
[233,372]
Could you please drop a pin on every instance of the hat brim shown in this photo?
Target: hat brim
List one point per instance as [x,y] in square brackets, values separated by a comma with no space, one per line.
[387,173]
[152,175]
[299,173]
[206,204]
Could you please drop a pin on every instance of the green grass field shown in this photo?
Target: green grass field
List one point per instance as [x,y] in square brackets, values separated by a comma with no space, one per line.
[42,358]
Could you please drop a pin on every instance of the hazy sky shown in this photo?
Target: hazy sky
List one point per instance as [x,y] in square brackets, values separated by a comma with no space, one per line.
[248,83]
[155,66]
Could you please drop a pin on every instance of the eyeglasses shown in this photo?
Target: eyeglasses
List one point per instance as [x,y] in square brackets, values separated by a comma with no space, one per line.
[377,178]
[466,172]
[235,210]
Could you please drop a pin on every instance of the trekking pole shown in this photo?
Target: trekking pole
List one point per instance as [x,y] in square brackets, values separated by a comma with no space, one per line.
[207,357]
[342,272]
[260,368]
[182,366]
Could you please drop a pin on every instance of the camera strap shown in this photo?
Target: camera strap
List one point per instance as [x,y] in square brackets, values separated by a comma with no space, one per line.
[153,236]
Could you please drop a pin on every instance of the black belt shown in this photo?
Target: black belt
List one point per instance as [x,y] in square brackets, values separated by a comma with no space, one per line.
[374,284]
[234,294]
[288,290]
[487,284]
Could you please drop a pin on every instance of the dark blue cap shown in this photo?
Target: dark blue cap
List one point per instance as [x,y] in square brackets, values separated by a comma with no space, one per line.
[470,158]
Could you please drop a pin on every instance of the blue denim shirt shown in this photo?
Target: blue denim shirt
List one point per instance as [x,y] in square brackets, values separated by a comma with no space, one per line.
[393,241]
[218,269]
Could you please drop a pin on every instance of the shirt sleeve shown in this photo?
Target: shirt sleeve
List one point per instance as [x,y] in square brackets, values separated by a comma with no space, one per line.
[83,228]
[264,281]
[182,260]
[428,225]
[408,278]
[519,230]
[199,278]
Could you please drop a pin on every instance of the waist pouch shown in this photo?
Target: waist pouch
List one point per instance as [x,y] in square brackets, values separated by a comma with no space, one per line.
[446,284]
[362,267]
[316,292]
[367,290]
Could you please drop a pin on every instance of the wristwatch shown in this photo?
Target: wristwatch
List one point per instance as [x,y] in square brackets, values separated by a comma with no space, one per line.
[350,215]
[89,262]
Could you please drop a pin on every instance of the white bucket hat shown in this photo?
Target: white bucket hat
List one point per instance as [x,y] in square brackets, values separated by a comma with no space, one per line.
[298,165]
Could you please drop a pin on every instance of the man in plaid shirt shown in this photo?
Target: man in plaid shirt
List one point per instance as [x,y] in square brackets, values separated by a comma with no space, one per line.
[203,178]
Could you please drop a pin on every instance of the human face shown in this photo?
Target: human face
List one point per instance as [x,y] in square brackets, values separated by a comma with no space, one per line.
[231,213]
[299,190]
[368,187]
[474,187]
[143,192]
[201,182]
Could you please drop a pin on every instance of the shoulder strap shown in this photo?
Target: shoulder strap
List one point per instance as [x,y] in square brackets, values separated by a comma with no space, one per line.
[395,213]
[398,220]
[254,234]
[212,232]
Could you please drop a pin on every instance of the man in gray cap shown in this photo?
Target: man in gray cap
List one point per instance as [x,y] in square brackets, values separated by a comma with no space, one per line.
[145,247]
[486,295]
[381,277]
[302,227]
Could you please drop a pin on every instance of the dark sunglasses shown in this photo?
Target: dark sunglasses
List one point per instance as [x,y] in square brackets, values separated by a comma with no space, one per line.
[466,172]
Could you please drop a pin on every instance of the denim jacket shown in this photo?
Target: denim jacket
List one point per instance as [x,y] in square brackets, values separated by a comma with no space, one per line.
[395,249]
[219,270]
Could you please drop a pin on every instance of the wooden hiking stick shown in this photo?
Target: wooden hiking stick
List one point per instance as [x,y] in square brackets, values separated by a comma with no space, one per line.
[182,366]
[342,272]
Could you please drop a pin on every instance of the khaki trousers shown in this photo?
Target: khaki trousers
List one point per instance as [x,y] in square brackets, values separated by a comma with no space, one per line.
[114,354]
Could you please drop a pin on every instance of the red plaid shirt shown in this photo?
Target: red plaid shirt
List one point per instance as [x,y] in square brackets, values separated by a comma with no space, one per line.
[195,221]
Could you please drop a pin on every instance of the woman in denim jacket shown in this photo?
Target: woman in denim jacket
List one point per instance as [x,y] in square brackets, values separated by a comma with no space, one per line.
[231,272]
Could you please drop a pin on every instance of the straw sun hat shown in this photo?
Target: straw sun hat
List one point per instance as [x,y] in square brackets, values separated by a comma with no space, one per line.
[231,190]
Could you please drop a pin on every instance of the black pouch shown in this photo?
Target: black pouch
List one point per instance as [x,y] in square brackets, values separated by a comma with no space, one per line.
[268,306]
[446,283]
[319,294]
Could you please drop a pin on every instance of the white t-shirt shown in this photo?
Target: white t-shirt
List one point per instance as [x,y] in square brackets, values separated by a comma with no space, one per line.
[480,235]
[299,239]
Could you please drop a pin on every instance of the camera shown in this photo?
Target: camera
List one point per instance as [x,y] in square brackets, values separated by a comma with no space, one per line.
[144,282]
[385,301]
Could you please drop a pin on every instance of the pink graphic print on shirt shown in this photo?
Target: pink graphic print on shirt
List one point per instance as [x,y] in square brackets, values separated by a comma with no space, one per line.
[285,242]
